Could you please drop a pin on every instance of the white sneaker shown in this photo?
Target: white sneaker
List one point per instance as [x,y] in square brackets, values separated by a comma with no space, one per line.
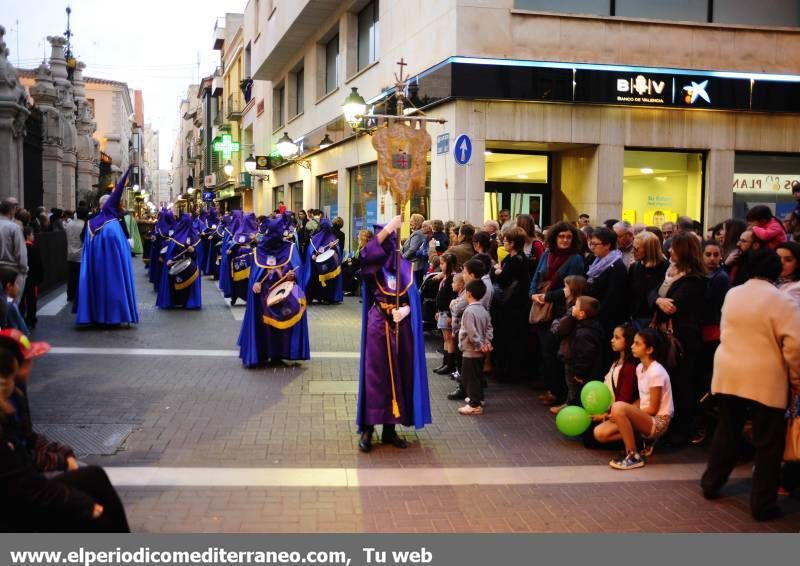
[470,410]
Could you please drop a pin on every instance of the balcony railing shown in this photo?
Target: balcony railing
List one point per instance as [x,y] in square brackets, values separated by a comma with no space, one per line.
[233,109]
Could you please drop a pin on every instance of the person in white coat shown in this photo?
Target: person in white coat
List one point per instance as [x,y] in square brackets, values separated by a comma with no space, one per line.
[756,363]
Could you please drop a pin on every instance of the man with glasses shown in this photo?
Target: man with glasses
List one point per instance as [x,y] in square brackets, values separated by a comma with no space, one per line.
[13,252]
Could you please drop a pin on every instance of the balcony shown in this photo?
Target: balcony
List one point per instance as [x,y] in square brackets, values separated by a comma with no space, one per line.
[217,82]
[219,33]
[233,110]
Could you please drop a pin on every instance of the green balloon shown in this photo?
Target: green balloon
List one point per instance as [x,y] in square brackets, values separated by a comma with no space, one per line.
[596,397]
[573,421]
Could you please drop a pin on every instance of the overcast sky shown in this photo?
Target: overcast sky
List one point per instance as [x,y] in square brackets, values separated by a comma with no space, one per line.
[152,45]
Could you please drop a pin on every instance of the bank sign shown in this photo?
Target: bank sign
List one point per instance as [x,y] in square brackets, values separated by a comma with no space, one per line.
[632,88]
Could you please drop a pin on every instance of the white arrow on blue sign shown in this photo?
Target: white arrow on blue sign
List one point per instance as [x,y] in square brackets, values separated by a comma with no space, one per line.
[462,150]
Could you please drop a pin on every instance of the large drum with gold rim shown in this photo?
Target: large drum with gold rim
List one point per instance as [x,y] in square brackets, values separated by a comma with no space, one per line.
[183,273]
[283,305]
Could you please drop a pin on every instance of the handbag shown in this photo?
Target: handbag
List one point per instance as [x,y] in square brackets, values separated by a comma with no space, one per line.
[541,313]
[673,350]
[791,450]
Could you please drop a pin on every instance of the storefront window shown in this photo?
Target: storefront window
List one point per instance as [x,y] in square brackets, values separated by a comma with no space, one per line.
[659,186]
[296,191]
[329,194]
[764,179]
[363,199]
[278,196]
[517,181]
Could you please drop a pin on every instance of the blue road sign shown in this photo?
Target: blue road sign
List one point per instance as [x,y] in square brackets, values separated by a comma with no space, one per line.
[462,150]
[442,144]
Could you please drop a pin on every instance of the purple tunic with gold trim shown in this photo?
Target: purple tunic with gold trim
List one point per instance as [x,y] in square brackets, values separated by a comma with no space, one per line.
[392,363]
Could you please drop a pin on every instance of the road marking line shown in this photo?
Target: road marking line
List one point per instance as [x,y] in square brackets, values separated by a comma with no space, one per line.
[70,350]
[406,477]
[54,306]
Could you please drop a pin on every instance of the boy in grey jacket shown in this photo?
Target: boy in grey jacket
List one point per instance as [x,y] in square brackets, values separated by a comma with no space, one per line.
[474,340]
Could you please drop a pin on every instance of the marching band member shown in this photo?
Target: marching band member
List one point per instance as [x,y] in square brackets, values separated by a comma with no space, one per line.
[275,325]
[393,377]
[324,265]
[225,283]
[201,226]
[240,256]
[181,288]
[210,242]
[106,291]
[164,225]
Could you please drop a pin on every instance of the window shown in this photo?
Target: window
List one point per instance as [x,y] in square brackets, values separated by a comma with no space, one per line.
[368,34]
[659,186]
[299,91]
[278,107]
[594,7]
[277,197]
[762,13]
[760,178]
[363,200]
[329,194]
[332,64]
[247,61]
[296,194]
[256,9]
[674,10]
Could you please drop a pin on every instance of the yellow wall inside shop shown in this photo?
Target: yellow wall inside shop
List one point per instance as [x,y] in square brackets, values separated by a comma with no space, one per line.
[668,189]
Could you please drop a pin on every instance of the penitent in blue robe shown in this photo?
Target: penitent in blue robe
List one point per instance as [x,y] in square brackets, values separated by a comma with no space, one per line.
[168,297]
[324,287]
[106,289]
[259,342]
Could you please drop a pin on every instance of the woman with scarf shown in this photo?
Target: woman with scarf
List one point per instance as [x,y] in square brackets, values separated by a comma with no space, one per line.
[561,259]
[325,278]
[678,303]
[106,290]
[393,377]
[275,325]
[607,278]
[185,290]
[225,282]
[241,257]
[161,232]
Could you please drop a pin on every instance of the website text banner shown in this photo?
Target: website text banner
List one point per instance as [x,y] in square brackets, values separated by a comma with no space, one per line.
[374,549]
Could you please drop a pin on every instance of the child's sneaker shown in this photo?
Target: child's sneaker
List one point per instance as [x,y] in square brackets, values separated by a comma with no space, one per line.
[627,461]
[470,410]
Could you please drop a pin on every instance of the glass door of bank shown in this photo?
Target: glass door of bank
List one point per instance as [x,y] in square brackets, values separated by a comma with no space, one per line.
[519,182]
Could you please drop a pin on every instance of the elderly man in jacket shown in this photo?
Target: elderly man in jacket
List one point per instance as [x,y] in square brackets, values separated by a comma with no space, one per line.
[13,252]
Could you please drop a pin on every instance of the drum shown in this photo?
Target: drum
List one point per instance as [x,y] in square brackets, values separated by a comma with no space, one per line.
[283,305]
[327,261]
[183,273]
[241,267]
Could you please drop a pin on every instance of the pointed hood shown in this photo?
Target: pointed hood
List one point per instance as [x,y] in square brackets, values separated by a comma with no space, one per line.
[273,243]
[165,221]
[109,210]
[185,232]
[324,236]
[246,228]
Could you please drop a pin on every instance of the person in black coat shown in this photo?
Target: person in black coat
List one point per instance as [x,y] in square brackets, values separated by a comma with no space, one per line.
[80,500]
[511,305]
[607,277]
[679,301]
[644,275]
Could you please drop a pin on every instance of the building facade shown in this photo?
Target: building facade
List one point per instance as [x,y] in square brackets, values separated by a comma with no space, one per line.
[629,109]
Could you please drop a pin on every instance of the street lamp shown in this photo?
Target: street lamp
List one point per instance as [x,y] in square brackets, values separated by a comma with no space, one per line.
[228,168]
[286,147]
[326,142]
[250,164]
[354,108]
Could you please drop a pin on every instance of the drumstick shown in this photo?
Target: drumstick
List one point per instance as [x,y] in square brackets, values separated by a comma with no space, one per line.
[285,275]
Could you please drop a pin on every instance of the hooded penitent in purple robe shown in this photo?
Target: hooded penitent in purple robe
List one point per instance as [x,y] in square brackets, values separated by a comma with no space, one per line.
[393,377]
[240,256]
[225,282]
[211,238]
[164,224]
[187,292]
[280,331]
[325,280]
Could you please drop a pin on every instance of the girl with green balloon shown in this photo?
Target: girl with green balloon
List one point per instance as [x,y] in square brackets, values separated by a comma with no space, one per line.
[650,415]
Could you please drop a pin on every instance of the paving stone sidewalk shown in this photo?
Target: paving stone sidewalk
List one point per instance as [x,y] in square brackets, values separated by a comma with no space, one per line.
[211,412]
